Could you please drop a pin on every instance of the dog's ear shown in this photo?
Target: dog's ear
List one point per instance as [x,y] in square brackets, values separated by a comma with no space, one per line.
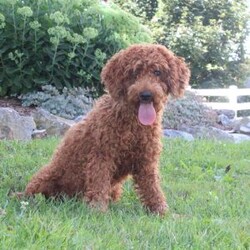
[179,76]
[113,75]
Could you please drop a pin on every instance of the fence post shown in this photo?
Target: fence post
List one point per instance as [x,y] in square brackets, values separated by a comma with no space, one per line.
[233,98]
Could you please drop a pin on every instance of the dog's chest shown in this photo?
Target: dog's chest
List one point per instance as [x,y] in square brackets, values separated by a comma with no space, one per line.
[132,147]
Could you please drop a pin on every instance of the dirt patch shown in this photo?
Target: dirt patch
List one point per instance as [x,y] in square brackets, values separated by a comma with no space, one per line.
[15,104]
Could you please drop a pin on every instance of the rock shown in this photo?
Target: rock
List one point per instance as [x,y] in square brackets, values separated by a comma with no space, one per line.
[39,134]
[238,138]
[242,126]
[171,133]
[247,83]
[54,125]
[224,120]
[79,118]
[227,112]
[15,127]
[210,133]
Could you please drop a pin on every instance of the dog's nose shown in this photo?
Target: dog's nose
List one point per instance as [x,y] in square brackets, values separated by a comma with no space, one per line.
[146,96]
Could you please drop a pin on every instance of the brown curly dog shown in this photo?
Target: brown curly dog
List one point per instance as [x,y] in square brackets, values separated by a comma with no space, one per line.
[121,136]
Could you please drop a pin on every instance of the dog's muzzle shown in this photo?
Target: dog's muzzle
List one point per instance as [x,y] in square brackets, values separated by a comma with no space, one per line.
[146,96]
[146,112]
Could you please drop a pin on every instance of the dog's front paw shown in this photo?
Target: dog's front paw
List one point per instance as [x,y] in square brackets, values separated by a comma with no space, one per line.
[159,209]
[101,206]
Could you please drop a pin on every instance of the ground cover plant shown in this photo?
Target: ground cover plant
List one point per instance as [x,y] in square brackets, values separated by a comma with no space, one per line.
[206,183]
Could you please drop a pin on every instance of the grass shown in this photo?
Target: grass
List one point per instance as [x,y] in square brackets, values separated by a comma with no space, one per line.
[206,183]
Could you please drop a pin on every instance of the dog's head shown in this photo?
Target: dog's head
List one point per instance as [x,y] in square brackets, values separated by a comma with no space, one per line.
[144,75]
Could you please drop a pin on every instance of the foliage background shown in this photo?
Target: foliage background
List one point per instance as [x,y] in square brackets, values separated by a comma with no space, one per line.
[62,42]
[66,43]
[210,35]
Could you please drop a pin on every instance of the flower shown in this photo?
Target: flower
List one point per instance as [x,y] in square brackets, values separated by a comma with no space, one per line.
[59,18]
[71,55]
[100,55]
[54,40]
[35,25]
[58,31]
[90,33]
[25,11]
[76,38]
[24,204]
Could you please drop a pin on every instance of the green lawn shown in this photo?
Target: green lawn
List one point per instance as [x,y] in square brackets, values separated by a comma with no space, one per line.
[207,185]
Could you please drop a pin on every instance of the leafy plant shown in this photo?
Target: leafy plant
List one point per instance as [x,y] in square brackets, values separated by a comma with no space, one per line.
[69,104]
[210,35]
[145,9]
[63,43]
[188,111]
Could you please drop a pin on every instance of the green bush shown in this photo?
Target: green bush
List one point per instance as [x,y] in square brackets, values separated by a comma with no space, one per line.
[211,36]
[144,9]
[61,42]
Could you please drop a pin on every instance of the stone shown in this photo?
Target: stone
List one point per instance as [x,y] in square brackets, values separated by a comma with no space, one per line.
[54,125]
[224,120]
[238,138]
[14,126]
[171,133]
[242,126]
[79,118]
[210,133]
[39,134]
[227,112]
[247,83]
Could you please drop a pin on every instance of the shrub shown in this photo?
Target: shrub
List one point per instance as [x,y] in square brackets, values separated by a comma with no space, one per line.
[62,42]
[144,9]
[211,36]
[69,104]
[188,111]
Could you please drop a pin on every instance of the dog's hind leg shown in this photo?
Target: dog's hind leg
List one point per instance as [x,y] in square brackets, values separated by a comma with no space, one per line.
[43,182]
[116,191]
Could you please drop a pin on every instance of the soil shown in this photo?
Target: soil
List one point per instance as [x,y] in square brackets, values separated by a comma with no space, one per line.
[15,104]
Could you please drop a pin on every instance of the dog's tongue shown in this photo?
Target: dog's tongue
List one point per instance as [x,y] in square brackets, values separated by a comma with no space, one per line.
[146,114]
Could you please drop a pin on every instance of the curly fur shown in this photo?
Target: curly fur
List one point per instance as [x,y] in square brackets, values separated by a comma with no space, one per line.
[99,153]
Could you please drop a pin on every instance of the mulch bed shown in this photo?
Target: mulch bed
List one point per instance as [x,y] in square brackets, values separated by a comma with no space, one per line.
[15,104]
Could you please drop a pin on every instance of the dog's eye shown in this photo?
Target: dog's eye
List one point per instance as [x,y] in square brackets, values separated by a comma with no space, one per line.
[135,73]
[157,72]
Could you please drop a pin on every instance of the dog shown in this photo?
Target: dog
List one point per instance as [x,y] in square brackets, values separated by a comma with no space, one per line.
[121,136]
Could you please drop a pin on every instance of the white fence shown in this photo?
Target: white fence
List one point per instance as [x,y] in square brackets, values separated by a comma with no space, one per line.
[232,94]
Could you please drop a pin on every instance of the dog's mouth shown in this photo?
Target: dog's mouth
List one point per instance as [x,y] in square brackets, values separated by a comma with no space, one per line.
[146,112]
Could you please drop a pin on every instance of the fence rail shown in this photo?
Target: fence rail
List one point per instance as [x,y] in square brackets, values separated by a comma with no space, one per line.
[232,94]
